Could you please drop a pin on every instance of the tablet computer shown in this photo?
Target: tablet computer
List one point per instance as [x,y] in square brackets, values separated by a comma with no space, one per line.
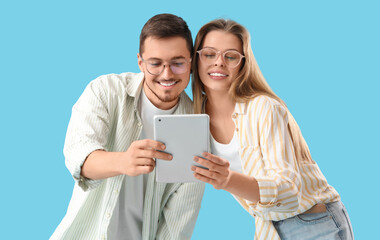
[185,136]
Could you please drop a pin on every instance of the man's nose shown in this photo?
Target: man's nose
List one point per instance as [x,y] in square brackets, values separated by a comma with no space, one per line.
[167,73]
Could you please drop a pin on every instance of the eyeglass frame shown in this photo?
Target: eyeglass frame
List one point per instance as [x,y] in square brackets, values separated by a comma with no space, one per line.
[188,61]
[218,52]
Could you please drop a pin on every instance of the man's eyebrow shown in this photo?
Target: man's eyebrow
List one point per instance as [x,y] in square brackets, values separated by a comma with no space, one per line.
[154,59]
[178,57]
[159,59]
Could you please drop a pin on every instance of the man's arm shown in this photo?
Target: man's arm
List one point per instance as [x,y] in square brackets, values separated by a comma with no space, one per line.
[85,150]
[180,212]
[137,160]
[88,130]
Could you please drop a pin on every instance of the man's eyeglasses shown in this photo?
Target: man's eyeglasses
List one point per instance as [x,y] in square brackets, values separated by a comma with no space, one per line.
[156,66]
[231,58]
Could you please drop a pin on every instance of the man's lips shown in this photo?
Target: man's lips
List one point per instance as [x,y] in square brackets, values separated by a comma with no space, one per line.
[167,83]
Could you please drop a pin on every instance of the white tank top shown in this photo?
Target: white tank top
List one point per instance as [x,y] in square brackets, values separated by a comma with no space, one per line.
[229,152]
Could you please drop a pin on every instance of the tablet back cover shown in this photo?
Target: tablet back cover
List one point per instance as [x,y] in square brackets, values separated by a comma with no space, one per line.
[185,136]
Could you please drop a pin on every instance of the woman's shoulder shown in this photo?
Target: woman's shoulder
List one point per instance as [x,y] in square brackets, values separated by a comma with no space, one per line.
[262,108]
[262,105]
[263,101]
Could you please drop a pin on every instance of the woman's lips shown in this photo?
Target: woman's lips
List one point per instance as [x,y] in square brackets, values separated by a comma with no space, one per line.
[217,75]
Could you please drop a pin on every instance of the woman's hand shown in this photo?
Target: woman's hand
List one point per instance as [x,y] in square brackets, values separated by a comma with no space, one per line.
[218,172]
[220,176]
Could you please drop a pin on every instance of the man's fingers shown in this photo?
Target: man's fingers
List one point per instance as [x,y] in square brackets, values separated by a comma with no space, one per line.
[144,169]
[155,154]
[149,144]
[146,162]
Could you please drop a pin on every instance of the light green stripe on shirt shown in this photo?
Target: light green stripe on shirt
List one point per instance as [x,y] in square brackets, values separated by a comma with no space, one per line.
[106,117]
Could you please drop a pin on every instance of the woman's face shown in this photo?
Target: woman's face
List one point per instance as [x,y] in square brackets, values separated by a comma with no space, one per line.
[217,76]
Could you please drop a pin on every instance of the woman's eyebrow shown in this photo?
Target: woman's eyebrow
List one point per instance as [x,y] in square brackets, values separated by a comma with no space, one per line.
[222,51]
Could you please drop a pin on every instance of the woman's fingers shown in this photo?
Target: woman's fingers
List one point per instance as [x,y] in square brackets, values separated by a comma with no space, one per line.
[212,166]
[217,172]
[215,159]
[206,172]
[204,178]
[216,179]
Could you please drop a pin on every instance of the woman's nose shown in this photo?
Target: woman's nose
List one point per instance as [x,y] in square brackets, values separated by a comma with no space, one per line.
[219,60]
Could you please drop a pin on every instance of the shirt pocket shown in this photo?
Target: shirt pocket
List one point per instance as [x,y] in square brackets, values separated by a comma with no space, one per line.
[313,218]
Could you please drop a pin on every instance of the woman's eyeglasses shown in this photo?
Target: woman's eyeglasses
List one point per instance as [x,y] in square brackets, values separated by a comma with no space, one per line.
[231,58]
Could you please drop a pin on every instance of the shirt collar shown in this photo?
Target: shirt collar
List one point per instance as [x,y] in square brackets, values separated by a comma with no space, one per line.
[134,85]
[241,108]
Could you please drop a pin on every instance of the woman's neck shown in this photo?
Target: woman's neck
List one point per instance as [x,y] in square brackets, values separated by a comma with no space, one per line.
[219,104]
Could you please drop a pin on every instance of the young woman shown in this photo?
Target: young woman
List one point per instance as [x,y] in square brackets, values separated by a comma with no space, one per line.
[258,152]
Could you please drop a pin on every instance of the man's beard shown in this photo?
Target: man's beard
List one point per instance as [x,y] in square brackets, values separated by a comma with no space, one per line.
[166,98]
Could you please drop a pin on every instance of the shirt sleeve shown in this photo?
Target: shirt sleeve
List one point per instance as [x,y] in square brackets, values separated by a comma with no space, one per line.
[180,212]
[279,179]
[87,131]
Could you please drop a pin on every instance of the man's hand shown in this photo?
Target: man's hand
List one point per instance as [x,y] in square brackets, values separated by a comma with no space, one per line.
[138,159]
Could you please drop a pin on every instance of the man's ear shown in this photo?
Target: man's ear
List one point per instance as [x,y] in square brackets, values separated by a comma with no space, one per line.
[140,62]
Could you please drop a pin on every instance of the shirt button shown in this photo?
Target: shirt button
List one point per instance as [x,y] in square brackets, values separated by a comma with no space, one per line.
[278,204]
[139,124]
[116,191]
[237,129]
[109,215]
[234,115]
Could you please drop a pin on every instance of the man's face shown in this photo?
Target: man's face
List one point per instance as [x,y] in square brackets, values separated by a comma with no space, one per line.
[163,89]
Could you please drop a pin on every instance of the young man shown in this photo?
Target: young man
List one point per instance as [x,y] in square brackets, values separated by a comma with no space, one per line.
[109,151]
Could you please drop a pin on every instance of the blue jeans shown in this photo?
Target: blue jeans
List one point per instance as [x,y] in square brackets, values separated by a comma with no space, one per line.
[332,224]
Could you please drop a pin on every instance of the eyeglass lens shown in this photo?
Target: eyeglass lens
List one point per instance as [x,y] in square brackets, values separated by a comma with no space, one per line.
[157,67]
[231,58]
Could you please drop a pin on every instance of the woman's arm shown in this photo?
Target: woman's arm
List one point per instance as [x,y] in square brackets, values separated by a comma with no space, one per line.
[274,181]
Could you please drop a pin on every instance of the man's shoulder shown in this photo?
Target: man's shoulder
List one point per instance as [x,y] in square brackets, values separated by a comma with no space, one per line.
[126,82]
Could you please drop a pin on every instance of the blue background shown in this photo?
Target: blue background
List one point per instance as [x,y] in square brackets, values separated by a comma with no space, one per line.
[321,57]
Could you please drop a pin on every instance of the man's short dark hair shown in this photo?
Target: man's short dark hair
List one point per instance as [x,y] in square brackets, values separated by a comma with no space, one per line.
[166,26]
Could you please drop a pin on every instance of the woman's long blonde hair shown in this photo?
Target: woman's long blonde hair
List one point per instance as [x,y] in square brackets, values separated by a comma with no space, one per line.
[249,83]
